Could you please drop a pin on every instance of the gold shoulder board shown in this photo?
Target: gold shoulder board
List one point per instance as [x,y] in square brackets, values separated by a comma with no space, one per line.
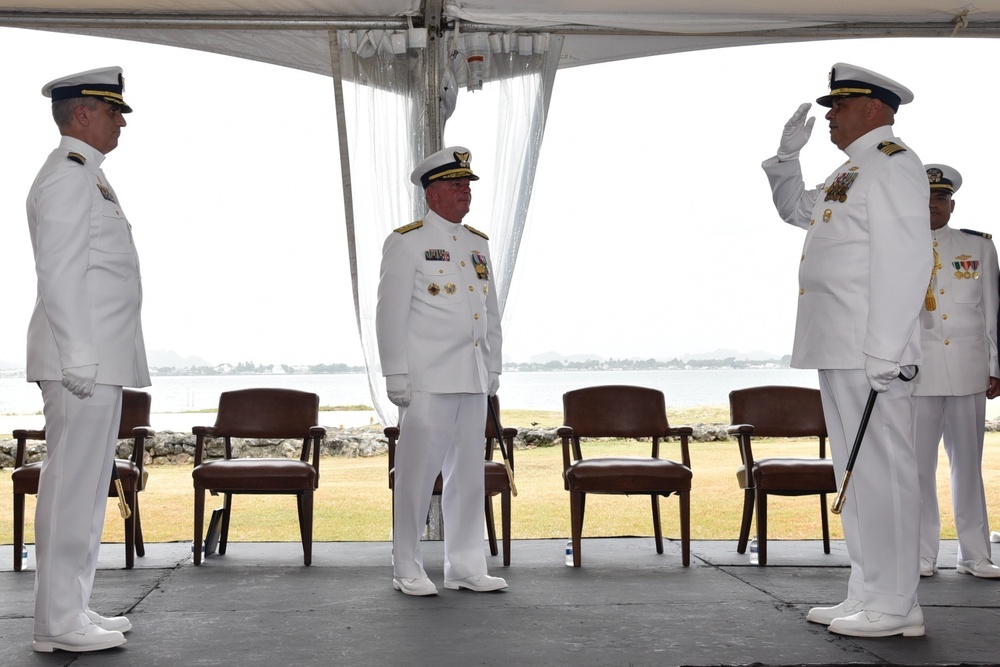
[410,227]
[477,232]
[890,148]
[76,157]
[975,233]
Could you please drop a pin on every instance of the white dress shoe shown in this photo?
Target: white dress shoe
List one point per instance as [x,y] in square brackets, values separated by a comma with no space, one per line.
[979,568]
[928,566]
[417,586]
[876,624]
[90,638]
[825,615]
[119,623]
[477,582]
[995,536]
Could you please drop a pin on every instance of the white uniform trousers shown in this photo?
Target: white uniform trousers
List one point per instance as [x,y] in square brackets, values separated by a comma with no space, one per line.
[961,420]
[80,440]
[440,433]
[881,515]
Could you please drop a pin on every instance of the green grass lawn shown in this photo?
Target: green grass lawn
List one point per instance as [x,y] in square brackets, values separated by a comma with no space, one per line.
[353,502]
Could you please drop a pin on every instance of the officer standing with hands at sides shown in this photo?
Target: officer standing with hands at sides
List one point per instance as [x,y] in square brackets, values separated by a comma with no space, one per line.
[862,278]
[438,327]
[84,344]
[960,371]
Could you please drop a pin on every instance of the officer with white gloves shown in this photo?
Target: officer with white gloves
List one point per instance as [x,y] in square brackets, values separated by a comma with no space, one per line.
[437,323]
[862,276]
[84,344]
[960,371]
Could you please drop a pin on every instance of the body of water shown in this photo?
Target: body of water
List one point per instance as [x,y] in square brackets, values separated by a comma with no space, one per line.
[536,390]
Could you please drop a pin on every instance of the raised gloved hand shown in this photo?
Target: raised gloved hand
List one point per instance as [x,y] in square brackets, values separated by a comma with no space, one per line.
[80,381]
[880,373]
[796,133]
[494,383]
[398,389]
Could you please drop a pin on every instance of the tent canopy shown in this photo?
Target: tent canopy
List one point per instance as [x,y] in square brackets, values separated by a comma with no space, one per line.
[293,33]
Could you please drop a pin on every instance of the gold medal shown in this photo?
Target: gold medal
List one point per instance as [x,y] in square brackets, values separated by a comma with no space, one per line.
[449,288]
[433,289]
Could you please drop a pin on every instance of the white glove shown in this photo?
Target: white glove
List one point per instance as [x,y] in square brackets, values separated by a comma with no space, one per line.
[880,373]
[796,133]
[80,381]
[494,383]
[398,389]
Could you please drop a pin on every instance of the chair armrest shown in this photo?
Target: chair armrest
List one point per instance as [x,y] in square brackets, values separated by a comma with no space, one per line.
[200,433]
[22,436]
[684,432]
[568,440]
[737,429]
[391,432]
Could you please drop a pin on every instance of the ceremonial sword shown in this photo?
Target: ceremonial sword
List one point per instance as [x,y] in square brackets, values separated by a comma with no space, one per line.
[503,449]
[838,501]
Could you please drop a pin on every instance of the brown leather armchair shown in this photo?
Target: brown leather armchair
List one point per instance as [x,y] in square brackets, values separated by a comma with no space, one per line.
[497,482]
[259,414]
[134,425]
[779,412]
[621,411]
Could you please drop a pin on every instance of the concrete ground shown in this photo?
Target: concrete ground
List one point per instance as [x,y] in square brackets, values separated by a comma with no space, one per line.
[258,605]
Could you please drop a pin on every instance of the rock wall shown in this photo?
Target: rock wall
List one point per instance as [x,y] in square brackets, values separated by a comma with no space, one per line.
[173,448]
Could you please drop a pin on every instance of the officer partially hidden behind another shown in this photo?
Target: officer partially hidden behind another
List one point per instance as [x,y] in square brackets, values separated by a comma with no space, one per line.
[960,371]
[438,328]
[84,344]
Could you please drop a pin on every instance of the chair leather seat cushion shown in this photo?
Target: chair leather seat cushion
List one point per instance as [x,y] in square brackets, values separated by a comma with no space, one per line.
[777,475]
[627,475]
[264,474]
[25,478]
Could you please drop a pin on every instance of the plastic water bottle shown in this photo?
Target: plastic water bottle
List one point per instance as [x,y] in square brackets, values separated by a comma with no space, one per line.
[569,553]
[753,551]
[24,556]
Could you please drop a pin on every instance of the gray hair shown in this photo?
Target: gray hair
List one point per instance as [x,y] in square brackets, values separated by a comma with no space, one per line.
[62,110]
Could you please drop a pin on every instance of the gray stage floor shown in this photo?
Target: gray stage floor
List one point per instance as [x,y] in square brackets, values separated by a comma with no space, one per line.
[258,605]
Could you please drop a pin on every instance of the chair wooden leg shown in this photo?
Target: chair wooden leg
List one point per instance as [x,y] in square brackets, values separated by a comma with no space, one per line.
[761,527]
[826,523]
[577,503]
[18,529]
[199,523]
[491,529]
[657,528]
[227,505]
[748,496]
[505,523]
[685,503]
[306,524]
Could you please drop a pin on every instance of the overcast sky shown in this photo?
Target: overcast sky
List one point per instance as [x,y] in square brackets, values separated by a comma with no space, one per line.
[651,231]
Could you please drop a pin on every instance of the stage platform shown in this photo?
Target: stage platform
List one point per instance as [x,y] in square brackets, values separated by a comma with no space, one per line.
[628,606]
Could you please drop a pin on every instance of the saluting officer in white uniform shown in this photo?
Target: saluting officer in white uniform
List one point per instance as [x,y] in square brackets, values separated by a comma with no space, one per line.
[960,371]
[438,327]
[84,344]
[862,278]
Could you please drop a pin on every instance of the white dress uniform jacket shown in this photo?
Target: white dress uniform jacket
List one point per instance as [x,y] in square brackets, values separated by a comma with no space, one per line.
[437,318]
[78,322]
[859,295]
[959,337]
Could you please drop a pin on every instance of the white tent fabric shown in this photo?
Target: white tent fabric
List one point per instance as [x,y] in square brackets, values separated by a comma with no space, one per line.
[293,33]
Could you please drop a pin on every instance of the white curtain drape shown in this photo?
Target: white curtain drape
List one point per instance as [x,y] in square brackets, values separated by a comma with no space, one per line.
[382,113]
